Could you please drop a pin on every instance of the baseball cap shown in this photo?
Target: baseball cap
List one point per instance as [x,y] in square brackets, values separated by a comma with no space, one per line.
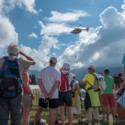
[92,66]
[73,75]
[53,60]
[66,65]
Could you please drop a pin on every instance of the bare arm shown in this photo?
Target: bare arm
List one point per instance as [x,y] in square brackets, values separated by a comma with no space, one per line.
[29,58]
[78,89]
[42,88]
[100,73]
[1,62]
[113,86]
[26,85]
[55,86]
[84,83]
[124,69]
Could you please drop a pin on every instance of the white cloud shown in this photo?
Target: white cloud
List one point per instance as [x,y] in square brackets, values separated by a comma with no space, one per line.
[54,29]
[58,22]
[123,7]
[29,4]
[117,19]
[8,34]
[59,17]
[47,43]
[41,55]
[34,35]
[103,46]
[8,5]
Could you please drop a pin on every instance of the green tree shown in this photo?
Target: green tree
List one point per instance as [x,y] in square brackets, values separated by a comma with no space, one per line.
[33,79]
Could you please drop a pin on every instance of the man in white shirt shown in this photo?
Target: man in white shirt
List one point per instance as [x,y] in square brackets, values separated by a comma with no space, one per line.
[48,81]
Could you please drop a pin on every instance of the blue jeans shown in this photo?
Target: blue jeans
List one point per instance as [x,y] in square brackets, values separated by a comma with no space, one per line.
[12,106]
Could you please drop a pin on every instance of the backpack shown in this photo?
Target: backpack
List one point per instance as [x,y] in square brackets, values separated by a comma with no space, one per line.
[64,85]
[96,86]
[72,89]
[41,122]
[10,79]
[74,94]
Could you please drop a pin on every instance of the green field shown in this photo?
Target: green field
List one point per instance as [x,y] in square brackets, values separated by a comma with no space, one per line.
[45,114]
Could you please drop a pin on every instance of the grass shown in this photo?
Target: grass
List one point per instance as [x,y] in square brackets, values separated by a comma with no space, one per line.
[45,114]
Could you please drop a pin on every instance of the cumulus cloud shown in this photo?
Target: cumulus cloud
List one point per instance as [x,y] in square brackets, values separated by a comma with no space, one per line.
[104,46]
[8,34]
[30,5]
[34,35]
[58,22]
[123,7]
[67,17]
[41,55]
[54,29]
[8,5]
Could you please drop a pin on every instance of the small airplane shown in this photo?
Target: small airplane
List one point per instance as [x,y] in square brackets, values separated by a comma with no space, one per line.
[79,30]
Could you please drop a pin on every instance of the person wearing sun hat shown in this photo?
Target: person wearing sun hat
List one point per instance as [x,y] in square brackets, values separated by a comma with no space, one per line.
[13,104]
[92,101]
[65,97]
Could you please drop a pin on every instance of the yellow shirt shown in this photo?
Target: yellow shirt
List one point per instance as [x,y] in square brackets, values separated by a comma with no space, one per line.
[89,78]
[94,96]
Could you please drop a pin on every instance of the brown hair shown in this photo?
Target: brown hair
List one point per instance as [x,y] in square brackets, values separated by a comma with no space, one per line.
[106,70]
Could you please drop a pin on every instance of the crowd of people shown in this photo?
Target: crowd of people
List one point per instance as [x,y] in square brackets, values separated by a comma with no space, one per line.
[58,89]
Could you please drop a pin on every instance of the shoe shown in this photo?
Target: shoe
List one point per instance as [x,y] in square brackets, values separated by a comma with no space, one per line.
[56,122]
[106,121]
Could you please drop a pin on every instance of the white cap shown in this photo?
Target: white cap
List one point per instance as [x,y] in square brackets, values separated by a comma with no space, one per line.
[53,60]
[92,66]
[73,75]
[66,66]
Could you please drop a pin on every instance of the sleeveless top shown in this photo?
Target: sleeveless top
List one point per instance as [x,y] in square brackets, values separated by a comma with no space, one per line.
[24,89]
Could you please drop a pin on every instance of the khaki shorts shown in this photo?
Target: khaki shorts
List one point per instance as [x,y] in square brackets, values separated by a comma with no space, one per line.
[27,100]
[78,106]
[92,112]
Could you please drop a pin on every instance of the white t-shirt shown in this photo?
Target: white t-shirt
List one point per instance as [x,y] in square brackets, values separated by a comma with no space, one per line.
[49,76]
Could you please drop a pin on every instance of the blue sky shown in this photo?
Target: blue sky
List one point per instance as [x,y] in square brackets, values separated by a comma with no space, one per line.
[42,29]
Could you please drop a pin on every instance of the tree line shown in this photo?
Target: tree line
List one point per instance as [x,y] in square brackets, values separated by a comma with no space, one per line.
[33,79]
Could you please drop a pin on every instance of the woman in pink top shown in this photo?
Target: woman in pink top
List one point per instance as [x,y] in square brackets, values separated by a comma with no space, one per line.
[27,97]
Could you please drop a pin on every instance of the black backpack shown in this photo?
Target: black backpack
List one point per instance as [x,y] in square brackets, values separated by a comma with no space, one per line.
[10,79]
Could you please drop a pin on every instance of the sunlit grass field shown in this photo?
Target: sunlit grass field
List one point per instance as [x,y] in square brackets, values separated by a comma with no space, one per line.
[45,114]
